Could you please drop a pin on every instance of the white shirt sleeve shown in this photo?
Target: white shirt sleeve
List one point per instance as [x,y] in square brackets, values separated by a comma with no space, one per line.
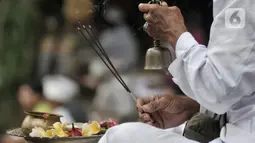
[219,75]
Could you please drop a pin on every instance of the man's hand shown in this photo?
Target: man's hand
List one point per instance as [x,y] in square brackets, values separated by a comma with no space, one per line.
[166,111]
[164,23]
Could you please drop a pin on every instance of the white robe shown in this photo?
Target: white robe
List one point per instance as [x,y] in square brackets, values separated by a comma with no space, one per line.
[220,77]
[67,116]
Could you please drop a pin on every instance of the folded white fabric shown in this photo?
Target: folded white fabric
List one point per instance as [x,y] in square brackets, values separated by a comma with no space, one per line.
[142,133]
[233,134]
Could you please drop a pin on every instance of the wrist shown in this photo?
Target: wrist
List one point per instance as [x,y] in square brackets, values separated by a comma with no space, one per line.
[174,38]
[190,105]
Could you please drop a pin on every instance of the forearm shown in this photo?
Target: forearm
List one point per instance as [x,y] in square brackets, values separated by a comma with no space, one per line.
[173,38]
[219,75]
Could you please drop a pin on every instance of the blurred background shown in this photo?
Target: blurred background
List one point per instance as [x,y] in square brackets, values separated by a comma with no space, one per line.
[47,66]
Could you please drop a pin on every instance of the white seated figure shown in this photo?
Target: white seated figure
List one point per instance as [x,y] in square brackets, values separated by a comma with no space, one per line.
[59,90]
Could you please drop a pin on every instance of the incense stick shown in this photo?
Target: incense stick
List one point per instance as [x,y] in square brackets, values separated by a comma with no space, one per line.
[98,48]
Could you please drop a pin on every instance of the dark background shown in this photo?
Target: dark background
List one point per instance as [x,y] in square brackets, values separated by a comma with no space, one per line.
[135,18]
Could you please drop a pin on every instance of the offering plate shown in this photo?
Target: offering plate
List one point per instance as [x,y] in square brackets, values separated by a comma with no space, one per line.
[17,132]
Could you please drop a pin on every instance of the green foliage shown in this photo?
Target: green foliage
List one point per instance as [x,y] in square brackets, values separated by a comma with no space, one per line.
[18,30]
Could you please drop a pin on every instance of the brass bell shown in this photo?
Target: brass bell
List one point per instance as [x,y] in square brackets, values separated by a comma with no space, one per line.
[157,57]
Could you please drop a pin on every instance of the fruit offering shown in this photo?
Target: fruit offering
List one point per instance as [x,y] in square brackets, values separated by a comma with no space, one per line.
[61,130]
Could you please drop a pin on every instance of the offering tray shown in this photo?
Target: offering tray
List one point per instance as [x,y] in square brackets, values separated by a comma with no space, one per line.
[17,132]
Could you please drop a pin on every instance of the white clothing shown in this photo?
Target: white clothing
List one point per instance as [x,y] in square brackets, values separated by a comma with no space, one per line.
[67,117]
[219,77]
[59,88]
[142,133]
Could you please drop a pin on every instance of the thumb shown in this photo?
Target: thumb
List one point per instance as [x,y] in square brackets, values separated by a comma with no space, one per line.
[154,106]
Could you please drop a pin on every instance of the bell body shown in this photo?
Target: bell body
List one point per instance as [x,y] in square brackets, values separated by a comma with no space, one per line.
[157,57]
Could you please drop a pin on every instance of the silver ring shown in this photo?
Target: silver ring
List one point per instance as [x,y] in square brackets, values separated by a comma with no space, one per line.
[159,2]
[145,27]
